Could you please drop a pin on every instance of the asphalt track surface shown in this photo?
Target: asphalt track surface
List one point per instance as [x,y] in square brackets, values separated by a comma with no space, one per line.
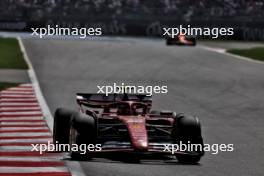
[226,93]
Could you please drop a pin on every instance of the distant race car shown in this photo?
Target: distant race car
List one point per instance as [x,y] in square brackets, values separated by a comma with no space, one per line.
[124,123]
[181,40]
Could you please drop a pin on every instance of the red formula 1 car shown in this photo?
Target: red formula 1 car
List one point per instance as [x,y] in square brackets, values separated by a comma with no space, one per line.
[181,40]
[125,123]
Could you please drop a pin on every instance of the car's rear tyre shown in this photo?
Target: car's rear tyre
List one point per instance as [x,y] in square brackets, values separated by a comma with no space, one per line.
[187,130]
[85,126]
[82,132]
[62,123]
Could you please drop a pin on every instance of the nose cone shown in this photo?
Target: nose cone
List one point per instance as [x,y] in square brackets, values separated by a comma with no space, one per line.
[138,133]
[141,146]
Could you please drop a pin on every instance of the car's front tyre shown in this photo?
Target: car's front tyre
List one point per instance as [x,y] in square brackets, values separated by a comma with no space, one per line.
[62,124]
[187,131]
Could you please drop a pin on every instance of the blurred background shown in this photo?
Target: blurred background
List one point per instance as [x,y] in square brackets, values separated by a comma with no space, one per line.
[136,17]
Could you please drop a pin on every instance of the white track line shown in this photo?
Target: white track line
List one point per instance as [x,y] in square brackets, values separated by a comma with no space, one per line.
[21,113]
[41,140]
[31,169]
[22,86]
[74,167]
[24,117]
[8,92]
[23,123]
[18,99]
[4,158]
[21,118]
[223,51]
[24,134]
[23,128]
[17,96]
[21,90]
[18,104]
[20,108]
[32,75]
[12,148]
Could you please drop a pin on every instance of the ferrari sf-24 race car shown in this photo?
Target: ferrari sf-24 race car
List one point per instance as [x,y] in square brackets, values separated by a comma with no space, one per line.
[125,123]
[181,40]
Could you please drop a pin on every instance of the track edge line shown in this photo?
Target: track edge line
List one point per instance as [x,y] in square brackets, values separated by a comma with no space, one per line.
[74,167]
[224,51]
[34,80]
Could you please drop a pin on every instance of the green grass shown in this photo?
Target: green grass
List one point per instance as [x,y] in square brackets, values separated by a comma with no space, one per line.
[4,85]
[10,55]
[253,53]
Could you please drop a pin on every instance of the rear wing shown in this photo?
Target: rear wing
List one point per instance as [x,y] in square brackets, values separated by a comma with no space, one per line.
[101,100]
